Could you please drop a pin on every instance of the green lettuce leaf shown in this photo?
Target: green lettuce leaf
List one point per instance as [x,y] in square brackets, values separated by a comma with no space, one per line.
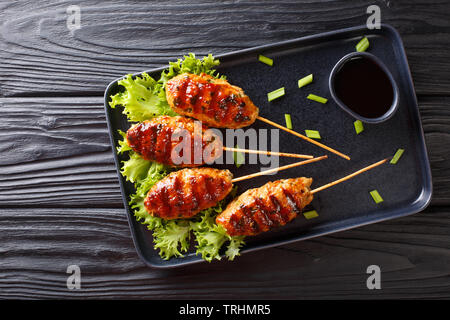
[234,247]
[135,168]
[172,238]
[190,64]
[143,98]
[123,145]
[211,237]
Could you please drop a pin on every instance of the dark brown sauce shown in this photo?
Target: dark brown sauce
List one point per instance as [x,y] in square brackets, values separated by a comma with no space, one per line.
[364,87]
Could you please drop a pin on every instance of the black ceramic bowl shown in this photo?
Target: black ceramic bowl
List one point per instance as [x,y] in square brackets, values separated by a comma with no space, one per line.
[331,83]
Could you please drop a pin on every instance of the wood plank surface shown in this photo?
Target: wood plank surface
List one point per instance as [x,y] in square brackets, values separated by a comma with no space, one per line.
[58,151]
[38,245]
[41,56]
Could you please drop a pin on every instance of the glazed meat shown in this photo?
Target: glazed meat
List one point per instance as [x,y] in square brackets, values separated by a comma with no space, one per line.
[261,209]
[213,101]
[165,139]
[184,193]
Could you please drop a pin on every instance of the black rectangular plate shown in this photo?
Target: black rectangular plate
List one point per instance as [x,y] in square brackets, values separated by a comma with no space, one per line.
[405,187]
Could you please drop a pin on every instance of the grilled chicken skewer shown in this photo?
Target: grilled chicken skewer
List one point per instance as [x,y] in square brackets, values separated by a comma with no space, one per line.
[213,101]
[159,140]
[274,204]
[186,192]
[219,104]
[261,209]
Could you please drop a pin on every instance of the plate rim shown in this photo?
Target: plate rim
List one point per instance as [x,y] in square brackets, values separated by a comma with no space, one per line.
[421,202]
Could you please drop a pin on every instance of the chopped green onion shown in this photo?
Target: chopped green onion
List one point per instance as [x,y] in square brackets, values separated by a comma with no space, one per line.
[311,214]
[359,127]
[376,196]
[287,117]
[313,134]
[265,60]
[317,98]
[397,156]
[362,45]
[304,81]
[275,94]
[238,157]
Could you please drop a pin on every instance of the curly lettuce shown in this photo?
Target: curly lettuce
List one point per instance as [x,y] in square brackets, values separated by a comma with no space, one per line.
[211,237]
[143,98]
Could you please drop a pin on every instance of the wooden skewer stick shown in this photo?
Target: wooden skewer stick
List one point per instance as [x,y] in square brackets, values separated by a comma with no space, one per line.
[303,137]
[269,153]
[292,165]
[349,176]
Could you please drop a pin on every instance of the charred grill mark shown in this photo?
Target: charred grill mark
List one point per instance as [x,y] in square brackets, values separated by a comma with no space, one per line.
[195,195]
[221,186]
[194,99]
[179,195]
[177,101]
[153,140]
[273,210]
[291,200]
[210,194]
[247,219]
[181,93]
[132,140]
[163,146]
[164,208]
[259,205]
[276,205]
[280,211]
[235,223]
[264,212]
[264,222]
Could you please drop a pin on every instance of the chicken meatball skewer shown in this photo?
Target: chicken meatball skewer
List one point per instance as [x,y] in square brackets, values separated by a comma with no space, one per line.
[160,139]
[272,205]
[184,193]
[219,104]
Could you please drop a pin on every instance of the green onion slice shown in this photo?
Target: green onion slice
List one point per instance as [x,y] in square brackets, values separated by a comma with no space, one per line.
[314,134]
[304,81]
[397,156]
[362,45]
[376,196]
[265,60]
[359,127]
[275,94]
[317,98]
[287,117]
[238,157]
[310,214]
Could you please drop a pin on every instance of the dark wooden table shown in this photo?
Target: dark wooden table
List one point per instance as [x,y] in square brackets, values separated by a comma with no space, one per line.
[60,202]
